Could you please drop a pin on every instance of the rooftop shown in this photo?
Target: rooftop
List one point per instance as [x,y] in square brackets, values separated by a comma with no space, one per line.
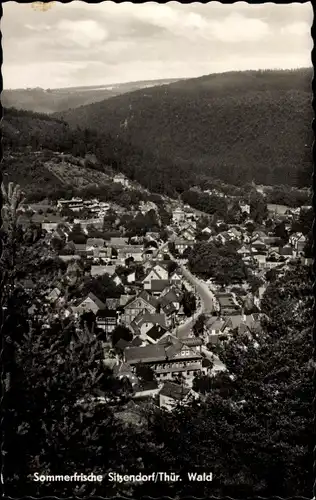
[174,391]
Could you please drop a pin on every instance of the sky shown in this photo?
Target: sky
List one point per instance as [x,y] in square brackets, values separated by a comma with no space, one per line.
[79,44]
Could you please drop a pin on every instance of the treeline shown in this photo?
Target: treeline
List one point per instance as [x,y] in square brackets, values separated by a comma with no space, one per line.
[210,204]
[282,195]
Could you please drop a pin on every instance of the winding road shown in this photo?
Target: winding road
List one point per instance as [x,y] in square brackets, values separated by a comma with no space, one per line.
[205,295]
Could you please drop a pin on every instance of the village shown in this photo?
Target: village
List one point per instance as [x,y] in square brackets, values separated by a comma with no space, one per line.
[162,323]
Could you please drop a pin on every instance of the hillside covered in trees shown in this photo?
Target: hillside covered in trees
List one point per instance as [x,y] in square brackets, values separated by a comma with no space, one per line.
[53,100]
[236,126]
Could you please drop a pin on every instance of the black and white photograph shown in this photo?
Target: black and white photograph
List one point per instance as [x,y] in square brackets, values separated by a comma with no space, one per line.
[157,250]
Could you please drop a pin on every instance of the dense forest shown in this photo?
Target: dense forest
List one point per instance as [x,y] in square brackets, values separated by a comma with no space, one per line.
[25,132]
[238,127]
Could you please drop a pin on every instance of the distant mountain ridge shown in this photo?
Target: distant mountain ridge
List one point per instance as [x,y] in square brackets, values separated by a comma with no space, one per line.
[235,126]
[55,100]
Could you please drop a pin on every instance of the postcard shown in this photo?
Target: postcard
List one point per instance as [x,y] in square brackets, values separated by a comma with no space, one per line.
[156,265]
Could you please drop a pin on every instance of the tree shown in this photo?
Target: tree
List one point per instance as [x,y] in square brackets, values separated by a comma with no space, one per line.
[102,286]
[172,266]
[145,373]
[51,414]
[121,332]
[88,321]
[258,207]
[199,325]
[221,262]
[281,232]
[164,235]
[188,303]
[77,235]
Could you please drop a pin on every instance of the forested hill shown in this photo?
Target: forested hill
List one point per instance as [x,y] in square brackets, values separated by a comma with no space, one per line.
[30,139]
[238,126]
[54,100]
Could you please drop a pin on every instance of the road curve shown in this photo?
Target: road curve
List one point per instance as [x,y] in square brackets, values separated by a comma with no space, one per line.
[207,303]
[201,288]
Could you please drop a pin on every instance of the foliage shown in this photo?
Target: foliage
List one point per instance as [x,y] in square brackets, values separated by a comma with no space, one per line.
[221,262]
[145,373]
[102,287]
[121,332]
[188,303]
[210,204]
[199,325]
[282,195]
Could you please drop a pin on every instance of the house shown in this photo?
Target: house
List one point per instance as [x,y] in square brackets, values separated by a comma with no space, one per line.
[298,241]
[223,237]
[126,251]
[175,278]
[166,360]
[156,273]
[187,234]
[123,370]
[214,326]
[101,270]
[156,331]
[244,207]
[181,245]
[80,248]
[227,304]
[112,303]
[258,244]
[69,258]
[95,243]
[286,252]
[75,204]
[260,259]
[53,295]
[28,285]
[106,320]
[243,323]
[121,179]
[150,320]
[145,321]
[90,303]
[171,297]
[172,394]
[131,277]
[146,391]
[144,302]
[158,286]
[178,215]
[48,222]
[207,230]
[234,233]
[244,251]
[193,343]
[118,241]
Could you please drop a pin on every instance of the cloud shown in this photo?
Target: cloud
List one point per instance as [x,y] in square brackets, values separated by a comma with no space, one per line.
[78,43]
[85,34]
[38,27]
[237,28]
[297,29]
